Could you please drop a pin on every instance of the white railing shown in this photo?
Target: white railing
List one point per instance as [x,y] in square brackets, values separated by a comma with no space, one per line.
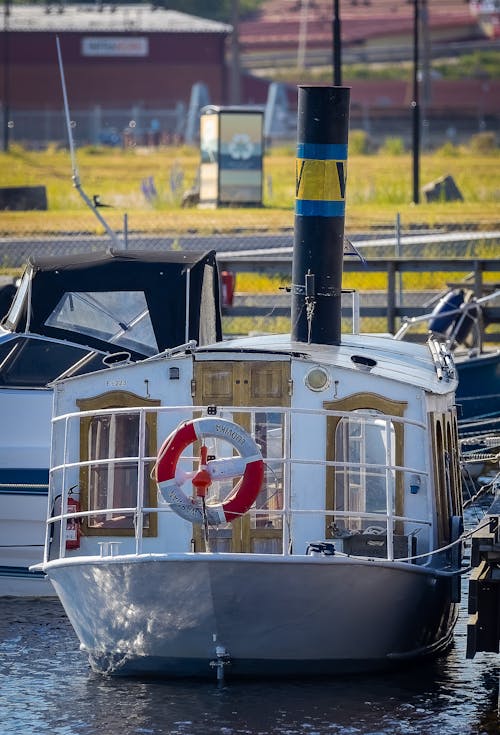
[65,469]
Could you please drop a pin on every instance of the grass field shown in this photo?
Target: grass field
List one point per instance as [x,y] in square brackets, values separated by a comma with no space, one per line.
[378,187]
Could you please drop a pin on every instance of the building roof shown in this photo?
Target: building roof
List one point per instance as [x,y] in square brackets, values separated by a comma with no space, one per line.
[279,23]
[85,18]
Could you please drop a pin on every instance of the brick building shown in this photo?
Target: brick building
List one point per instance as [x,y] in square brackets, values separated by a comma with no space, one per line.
[121,57]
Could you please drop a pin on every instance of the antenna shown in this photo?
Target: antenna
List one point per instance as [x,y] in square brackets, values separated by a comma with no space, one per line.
[76,176]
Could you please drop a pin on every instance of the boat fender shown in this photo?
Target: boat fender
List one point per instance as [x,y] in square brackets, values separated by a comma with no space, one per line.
[249,465]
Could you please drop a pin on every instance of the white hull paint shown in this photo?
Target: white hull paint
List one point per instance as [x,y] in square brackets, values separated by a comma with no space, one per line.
[21,582]
[24,463]
[172,614]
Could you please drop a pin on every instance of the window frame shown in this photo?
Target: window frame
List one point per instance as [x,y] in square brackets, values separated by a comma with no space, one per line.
[364,401]
[117,399]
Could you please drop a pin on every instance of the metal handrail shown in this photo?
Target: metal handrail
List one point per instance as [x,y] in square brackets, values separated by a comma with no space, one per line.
[59,472]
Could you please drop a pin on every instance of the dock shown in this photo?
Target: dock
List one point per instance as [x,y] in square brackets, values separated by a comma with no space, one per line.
[483,627]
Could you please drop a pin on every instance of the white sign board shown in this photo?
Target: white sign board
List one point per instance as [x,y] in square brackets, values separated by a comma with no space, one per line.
[115,46]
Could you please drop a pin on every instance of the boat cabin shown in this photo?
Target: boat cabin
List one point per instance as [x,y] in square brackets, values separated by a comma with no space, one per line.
[343,438]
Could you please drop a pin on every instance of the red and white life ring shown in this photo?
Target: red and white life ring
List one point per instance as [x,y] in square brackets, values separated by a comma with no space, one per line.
[249,464]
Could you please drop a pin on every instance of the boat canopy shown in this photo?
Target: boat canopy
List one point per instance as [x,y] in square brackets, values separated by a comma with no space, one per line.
[140,301]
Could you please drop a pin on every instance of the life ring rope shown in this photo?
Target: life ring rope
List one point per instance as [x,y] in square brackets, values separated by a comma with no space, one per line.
[249,465]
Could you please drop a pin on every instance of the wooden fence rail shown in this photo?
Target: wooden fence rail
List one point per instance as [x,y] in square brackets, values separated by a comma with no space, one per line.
[474,271]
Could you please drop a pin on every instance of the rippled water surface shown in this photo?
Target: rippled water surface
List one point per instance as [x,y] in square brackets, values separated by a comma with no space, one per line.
[47,686]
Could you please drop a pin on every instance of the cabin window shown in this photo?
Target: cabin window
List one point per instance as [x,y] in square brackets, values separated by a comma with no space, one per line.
[268,520]
[446,474]
[110,485]
[366,445]
[33,362]
[262,532]
[119,317]
[110,443]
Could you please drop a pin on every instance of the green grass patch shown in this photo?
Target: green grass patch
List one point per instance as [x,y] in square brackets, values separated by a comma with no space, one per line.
[378,187]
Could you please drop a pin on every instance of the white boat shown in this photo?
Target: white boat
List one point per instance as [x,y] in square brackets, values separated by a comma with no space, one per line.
[69,315]
[338,548]
[459,320]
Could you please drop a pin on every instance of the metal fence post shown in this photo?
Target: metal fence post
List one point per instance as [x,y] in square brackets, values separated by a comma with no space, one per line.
[391,296]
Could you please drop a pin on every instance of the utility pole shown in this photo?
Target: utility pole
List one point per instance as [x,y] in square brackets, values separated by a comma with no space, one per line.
[416,106]
[235,71]
[425,74]
[6,76]
[337,45]
[302,47]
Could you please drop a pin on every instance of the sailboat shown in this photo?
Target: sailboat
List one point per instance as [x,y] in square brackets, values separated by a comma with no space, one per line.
[278,505]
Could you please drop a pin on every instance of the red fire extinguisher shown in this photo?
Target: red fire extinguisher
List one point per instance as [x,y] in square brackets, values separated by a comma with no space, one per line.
[73,525]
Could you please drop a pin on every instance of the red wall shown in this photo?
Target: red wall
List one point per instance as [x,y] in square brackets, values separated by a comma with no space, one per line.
[175,62]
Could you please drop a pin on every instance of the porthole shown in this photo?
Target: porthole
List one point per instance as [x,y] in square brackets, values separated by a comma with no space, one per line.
[318,379]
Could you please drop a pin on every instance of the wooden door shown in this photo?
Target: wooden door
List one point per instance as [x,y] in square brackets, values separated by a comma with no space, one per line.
[257,384]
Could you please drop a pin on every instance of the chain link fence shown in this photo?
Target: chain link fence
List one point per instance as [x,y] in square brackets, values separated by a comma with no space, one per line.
[396,275]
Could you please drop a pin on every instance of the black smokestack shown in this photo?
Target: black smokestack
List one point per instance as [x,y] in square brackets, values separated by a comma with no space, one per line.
[323,125]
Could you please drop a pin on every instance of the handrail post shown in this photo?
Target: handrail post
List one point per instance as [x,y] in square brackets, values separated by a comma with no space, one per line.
[64,494]
[139,519]
[389,491]
[287,519]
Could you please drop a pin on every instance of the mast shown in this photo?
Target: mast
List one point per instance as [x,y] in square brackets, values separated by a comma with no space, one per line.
[76,175]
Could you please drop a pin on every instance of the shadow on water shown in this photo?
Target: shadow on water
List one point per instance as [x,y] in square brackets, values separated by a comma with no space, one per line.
[47,686]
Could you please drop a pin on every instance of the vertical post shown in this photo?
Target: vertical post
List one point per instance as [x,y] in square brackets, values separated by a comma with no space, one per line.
[416,107]
[390,483]
[398,234]
[398,255]
[302,46]
[391,296]
[235,76]
[322,132]
[125,230]
[6,76]
[478,279]
[337,45]
[139,512]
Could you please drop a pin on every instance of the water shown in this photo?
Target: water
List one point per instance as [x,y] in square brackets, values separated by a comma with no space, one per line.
[46,686]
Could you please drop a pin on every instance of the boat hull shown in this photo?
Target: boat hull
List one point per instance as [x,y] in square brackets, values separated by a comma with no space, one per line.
[478,392]
[178,615]
[24,479]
